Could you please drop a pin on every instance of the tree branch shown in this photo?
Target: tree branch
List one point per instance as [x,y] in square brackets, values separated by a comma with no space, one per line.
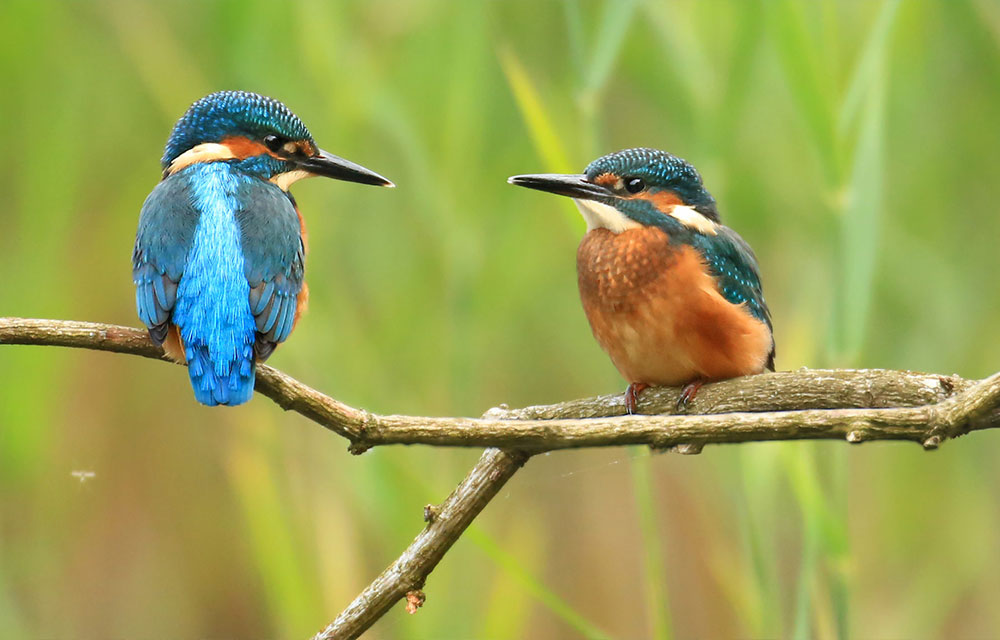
[790,405]
[855,406]
[446,523]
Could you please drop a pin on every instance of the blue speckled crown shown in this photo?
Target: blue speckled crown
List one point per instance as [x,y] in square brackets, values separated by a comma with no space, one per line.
[659,169]
[656,167]
[228,113]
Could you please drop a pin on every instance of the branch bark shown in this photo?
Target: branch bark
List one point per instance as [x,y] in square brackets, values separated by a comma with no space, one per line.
[856,405]
[852,405]
[446,523]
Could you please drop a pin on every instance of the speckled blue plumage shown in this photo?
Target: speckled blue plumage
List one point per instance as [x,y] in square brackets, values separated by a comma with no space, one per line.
[219,254]
[231,113]
[660,170]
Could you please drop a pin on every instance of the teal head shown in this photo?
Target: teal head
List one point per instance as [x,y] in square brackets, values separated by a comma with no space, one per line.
[259,136]
[633,188]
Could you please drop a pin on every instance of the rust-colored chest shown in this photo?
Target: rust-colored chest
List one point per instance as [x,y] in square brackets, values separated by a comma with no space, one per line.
[615,271]
[656,310]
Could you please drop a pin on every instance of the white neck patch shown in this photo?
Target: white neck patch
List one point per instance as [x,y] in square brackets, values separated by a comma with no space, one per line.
[602,216]
[204,152]
[692,219]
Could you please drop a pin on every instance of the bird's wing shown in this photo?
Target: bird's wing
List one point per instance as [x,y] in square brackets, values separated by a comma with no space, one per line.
[273,261]
[734,265]
[162,242]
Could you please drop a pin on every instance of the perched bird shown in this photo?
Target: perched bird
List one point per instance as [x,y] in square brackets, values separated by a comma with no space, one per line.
[672,295]
[220,252]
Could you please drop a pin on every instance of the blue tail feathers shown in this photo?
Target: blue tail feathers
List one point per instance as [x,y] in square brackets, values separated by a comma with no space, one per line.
[221,381]
[218,333]
[218,330]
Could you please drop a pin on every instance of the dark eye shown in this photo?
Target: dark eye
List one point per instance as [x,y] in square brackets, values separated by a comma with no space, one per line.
[273,142]
[634,185]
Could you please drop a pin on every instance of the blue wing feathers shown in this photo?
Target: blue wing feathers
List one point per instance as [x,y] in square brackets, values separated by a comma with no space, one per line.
[154,296]
[734,265]
[275,311]
[266,326]
[732,262]
[274,259]
[260,296]
[166,230]
[219,255]
[288,317]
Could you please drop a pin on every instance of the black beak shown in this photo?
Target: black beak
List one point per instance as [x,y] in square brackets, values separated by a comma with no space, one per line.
[574,186]
[331,166]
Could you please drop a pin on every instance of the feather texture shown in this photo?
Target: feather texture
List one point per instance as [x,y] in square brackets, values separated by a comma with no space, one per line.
[212,310]
[733,264]
[274,262]
[655,306]
[219,255]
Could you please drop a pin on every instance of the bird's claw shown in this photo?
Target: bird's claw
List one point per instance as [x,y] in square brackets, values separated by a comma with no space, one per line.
[632,396]
[688,393]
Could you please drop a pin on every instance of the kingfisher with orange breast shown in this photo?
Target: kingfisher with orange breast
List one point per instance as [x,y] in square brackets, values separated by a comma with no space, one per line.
[219,256]
[671,294]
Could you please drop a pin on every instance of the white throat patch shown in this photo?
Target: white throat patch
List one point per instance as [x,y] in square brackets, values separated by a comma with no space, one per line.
[602,216]
[286,179]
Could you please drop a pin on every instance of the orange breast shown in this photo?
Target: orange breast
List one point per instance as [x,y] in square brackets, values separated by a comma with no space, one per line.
[655,309]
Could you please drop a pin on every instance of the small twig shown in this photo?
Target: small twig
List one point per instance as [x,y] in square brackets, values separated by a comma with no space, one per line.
[854,406]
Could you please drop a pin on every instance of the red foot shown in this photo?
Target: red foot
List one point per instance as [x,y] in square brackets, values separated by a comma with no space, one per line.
[632,396]
[688,393]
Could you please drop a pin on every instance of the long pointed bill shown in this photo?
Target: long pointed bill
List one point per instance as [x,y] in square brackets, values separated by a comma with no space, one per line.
[574,186]
[331,166]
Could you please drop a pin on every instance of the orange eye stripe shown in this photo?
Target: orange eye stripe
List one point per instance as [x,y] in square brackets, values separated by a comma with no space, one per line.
[661,199]
[243,147]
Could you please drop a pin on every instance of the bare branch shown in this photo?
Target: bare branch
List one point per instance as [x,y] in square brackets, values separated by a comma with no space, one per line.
[807,404]
[287,392]
[408,572]
[786,406]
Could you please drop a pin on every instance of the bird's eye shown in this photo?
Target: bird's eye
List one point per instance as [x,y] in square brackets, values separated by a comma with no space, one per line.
[273,142]
[634,185]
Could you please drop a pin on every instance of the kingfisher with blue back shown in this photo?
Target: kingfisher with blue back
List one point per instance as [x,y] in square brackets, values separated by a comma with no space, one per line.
[219,256]
[671,294]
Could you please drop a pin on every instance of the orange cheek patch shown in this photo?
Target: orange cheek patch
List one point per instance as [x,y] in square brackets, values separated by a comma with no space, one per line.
[662,199]
[245,147]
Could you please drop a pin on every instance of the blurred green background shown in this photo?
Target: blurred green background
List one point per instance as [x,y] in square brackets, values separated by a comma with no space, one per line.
[853,144]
